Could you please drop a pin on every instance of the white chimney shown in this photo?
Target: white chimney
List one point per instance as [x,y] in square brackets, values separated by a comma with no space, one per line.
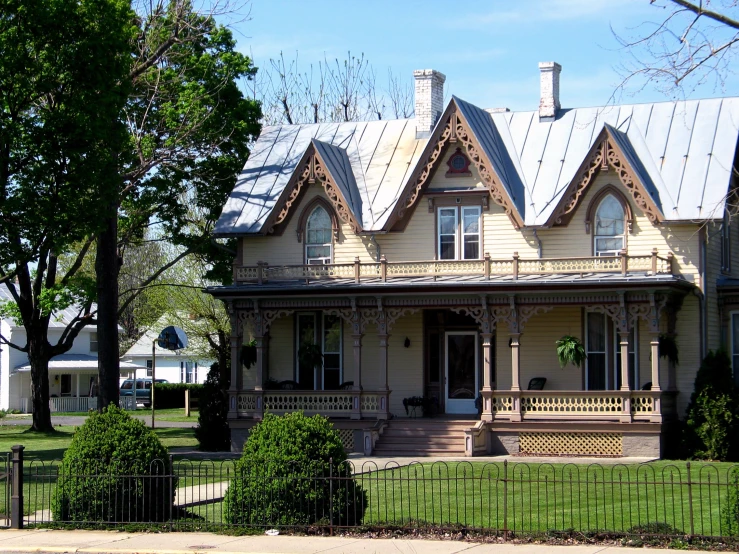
[429,100]
[549,103]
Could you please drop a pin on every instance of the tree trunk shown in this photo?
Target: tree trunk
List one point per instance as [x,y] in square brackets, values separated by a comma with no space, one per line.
[107,265]
[39,361]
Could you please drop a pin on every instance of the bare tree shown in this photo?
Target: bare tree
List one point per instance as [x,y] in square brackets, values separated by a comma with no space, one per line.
[690,43]
[330,90]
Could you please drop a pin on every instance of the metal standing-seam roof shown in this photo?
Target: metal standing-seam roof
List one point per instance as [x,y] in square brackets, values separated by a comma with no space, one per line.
[682,152]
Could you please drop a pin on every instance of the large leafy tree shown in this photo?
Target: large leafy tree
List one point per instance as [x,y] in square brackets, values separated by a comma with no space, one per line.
[189,127]
[63,83]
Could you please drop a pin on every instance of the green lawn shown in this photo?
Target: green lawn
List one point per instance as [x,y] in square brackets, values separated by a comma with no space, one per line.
[169,414]
[548,497]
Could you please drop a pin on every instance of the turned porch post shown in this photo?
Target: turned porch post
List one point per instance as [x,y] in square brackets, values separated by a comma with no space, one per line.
[357,361]
[515,362]
[487,389]
[655,361]
[624,346]
[261,361]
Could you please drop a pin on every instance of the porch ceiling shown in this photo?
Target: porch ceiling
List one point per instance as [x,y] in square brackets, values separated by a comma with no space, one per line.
[75,362]
[453,283]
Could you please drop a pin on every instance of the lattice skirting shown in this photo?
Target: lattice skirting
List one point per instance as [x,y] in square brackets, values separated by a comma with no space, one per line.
[347,438]
[603,444]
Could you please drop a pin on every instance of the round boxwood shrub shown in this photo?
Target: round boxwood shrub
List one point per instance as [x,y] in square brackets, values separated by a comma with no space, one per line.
[294,472]
[115,469]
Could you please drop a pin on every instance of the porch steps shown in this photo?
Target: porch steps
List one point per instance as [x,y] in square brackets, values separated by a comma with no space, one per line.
[422,437]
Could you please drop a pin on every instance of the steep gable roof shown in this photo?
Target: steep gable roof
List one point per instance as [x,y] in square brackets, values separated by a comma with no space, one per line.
[681,153]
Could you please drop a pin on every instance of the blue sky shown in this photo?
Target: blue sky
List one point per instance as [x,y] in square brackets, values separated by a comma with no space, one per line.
[489,50]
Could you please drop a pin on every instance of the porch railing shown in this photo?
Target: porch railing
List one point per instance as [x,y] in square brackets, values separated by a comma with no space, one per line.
[73,404]
[487,267]
[353,404]
[589,405]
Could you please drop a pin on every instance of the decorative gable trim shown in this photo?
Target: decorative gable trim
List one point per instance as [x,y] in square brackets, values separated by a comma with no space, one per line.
[453,128]
[312,169]
[604,155]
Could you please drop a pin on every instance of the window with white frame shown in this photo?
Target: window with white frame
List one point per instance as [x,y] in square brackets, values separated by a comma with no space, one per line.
[188,372]
[149,367]
[726,245]
[633,359]
[93,342]
[458,236]
[596,361]
[324,331]
[609,227]
[318,237]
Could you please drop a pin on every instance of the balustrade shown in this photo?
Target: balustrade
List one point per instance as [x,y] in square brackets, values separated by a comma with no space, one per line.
[485,268]
[73,404]
[330,403]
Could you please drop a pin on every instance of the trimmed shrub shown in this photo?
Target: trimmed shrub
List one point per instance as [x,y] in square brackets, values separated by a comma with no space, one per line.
[712,425]
[172,395]
[212,432]
[115,469]
[294,472]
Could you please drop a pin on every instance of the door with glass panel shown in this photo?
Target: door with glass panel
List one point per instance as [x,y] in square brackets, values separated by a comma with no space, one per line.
[461,372]
[332,377]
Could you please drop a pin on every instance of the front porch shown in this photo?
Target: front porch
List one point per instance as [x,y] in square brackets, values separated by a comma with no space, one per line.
[467,339]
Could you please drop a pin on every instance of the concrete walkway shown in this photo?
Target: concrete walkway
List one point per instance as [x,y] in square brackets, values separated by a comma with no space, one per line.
[92,542]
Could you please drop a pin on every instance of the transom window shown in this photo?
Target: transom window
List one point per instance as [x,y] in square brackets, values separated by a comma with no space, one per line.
[318,237]
[609,227]
[459,233]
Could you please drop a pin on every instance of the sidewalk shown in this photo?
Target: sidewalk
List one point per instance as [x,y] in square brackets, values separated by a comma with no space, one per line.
[91,542]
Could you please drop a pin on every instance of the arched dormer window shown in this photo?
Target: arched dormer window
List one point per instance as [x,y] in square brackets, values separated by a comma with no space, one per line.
[609,227]
[318,237]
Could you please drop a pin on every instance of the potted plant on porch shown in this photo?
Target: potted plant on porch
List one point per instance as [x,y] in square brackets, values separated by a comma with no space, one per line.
[570,350]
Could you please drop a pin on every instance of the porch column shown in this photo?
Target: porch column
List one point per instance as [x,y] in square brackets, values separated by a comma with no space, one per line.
[624,346]
[655,362]
[625,388]
[357,411]
[515,362]
[383,361]
[487,390]
[235,386]
[261,361]
[78,386]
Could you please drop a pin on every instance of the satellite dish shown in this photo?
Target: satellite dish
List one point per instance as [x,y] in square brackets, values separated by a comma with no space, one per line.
[172,338]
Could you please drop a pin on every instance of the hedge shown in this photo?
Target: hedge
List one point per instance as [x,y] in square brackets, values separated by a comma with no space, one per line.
[172,395]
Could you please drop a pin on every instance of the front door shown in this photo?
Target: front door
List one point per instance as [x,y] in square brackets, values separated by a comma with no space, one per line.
[461,372]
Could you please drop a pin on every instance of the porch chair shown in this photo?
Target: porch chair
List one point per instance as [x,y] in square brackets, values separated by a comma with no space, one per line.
[537,383]
[288,385]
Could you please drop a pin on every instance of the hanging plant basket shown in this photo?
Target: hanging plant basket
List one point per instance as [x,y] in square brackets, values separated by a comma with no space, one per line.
[570,351]
[249,354]
[668,348]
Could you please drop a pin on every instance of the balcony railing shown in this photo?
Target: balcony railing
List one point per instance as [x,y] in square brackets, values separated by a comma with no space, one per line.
[352,404]
[486,268]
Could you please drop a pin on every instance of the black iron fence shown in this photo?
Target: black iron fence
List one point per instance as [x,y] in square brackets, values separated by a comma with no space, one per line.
[510,499]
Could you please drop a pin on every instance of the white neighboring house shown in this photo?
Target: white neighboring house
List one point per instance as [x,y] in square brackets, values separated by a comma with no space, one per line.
[72,376]
[180,366]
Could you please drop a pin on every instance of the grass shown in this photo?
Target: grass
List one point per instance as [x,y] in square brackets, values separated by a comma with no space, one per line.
[168,414]
[540,498]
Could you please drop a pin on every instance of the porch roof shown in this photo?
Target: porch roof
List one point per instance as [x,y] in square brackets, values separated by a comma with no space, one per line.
[75,362]
[447,283]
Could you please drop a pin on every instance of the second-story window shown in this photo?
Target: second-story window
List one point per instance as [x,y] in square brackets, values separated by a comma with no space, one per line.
[459,233]
[609,227]
[318,235]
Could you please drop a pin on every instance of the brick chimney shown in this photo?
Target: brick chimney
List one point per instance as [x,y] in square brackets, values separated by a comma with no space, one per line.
[429,100]
[549,103]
